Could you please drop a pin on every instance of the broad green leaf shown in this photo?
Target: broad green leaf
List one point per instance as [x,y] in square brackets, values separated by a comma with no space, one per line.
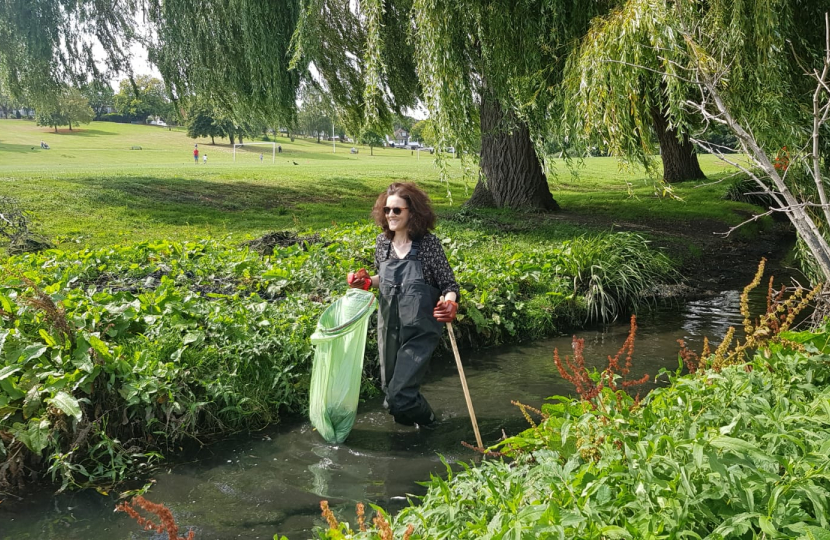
[6,304]
[732,444]
[49,340]
[34,434]
[817,533]
[67,404]
[612,531]
[81,359]
[32,352]
[8,385]
[99,345]
[193,337]
[766,525]
[8,371]
[31,404]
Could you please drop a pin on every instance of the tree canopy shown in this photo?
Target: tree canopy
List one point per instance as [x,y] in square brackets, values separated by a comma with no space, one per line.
[640,57]
[142,97]
[235,54]
[45,44]
[70,107]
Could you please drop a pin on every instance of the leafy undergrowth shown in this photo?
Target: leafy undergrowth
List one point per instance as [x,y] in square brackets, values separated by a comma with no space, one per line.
[736,449]
[737,454]
[110,357]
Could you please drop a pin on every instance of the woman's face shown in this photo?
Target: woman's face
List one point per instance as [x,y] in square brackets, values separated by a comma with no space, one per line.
[397,222]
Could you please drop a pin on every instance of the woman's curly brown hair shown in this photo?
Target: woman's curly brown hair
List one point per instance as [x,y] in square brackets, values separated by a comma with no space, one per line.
[421,216]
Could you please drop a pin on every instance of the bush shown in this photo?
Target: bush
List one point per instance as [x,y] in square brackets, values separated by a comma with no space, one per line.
[115,117]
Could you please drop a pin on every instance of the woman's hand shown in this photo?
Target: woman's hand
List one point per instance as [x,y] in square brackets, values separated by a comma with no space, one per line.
[445,311]
[359,280]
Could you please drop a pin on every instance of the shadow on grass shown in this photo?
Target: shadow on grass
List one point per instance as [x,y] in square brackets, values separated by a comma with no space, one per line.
[81,132]
[237,204]
[21,148]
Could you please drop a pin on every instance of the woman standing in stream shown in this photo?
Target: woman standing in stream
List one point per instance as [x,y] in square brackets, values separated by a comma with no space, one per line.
[412,276]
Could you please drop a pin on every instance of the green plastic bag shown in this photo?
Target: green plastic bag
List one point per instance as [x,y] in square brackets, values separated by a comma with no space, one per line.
[339,343]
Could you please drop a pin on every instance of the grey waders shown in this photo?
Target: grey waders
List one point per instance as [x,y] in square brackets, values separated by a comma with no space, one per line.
[407,336]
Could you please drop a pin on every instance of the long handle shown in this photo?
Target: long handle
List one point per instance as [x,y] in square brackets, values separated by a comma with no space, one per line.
[464,385]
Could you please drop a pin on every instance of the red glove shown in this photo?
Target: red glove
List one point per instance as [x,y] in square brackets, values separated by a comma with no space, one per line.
[359,280]
[445,311]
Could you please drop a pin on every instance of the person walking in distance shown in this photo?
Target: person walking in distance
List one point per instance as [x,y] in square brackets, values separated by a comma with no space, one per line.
[412,275]
[204,159]
[196,153]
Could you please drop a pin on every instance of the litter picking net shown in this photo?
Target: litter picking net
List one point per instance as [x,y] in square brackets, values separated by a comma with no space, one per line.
[339,343]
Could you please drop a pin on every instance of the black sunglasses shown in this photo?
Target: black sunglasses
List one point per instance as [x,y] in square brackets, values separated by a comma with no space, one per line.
[394,209]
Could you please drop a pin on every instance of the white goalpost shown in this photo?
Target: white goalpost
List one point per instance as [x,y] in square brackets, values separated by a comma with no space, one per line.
[273,148]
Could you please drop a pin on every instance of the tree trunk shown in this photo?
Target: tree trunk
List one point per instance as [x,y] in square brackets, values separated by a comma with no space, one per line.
[512,175]
[240,139]
[679,157]
[233,141]
[70,125]
[56,128]
[212,142]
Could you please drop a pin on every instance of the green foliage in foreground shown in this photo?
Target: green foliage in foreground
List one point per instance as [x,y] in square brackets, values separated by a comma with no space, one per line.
[740,453]
[107,356]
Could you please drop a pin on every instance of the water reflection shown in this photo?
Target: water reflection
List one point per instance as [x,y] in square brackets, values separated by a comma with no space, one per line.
[272,481]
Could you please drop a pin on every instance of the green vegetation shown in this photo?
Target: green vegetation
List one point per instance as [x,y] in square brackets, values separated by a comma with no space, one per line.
[737,452]
[92,189]
[111,355]
[165,329]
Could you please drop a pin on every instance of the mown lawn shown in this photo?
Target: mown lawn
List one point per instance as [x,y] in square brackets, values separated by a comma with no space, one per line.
[91,189]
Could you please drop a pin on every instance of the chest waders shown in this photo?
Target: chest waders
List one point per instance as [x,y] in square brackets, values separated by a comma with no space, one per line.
[407,335]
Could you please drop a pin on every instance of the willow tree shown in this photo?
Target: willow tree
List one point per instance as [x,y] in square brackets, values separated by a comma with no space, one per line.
[475,64]
[761,68]
[626,86]
[612,102]
[363,57]
[234,53]
[487,68]
[46,44]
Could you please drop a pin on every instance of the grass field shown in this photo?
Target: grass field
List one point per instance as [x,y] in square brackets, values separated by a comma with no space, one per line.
[90,188]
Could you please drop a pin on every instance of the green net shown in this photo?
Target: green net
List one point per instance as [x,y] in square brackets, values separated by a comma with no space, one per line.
[339,343]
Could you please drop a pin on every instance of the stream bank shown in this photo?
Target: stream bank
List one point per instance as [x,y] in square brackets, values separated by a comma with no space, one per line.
[272,481]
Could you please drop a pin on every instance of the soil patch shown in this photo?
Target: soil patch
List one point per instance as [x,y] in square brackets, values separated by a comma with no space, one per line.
[264,245]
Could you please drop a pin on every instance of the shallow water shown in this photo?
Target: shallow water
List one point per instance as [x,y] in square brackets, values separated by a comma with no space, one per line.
[271,482]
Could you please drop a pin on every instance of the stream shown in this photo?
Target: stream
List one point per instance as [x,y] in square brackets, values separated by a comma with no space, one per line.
[271,482]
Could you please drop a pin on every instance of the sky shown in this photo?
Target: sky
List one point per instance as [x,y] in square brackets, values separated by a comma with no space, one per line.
[141,65]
